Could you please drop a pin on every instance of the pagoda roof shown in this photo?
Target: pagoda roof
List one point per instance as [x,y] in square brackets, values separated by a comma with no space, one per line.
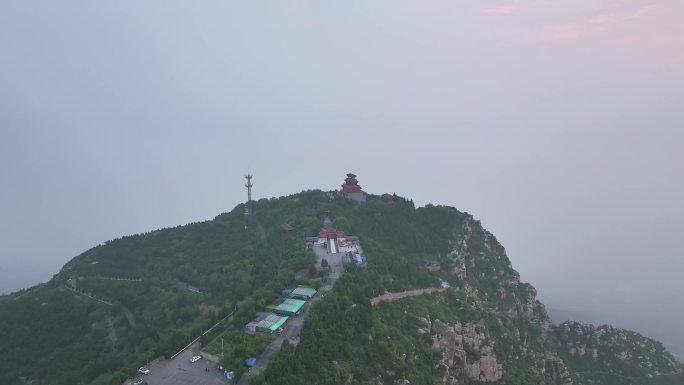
[347,188]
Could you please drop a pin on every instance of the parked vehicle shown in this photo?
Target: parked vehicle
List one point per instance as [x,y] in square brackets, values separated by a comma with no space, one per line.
[144,370]
[195,358]
[139,381]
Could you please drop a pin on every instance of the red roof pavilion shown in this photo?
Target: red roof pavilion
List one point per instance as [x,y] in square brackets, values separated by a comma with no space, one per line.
[351,185]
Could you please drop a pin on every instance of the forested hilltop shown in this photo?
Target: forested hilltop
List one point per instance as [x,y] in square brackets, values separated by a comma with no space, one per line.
[121,304]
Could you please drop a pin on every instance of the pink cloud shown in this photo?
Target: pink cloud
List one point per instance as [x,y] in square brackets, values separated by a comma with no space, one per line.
[574,30]
[621,18]
[514,6]
[502,9]
[564,31]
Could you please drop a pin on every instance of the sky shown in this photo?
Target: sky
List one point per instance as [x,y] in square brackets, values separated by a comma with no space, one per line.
[558,123]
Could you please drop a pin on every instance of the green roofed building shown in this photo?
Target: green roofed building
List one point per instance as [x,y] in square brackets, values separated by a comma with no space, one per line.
[290,307]
[271,323]
[303,292]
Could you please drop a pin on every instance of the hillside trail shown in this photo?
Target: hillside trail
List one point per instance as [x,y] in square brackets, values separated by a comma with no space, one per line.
[405,294]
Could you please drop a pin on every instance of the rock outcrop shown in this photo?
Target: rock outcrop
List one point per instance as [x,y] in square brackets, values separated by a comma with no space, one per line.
[477,257]
[556,369]
[564,355]
[466,351]
[613,350]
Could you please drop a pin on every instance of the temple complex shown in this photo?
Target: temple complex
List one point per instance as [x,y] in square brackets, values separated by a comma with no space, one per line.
[333,240]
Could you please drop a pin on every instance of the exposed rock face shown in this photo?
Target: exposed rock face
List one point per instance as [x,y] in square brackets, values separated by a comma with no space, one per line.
[614,350]
[556,370]
[477,256]
[460,253]
[466,351]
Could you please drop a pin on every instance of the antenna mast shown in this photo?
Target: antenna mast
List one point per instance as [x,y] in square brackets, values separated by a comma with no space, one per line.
[249,193]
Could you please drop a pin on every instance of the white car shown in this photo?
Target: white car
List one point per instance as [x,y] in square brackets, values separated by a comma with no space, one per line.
[144,370]
[195,358]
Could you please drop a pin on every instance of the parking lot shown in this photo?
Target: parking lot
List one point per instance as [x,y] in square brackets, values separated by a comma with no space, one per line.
[180,371]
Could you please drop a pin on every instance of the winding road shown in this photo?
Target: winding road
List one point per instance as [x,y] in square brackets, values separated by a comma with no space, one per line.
[295,324]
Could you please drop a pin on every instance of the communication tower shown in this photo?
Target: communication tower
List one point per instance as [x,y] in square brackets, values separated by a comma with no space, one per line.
[248,206]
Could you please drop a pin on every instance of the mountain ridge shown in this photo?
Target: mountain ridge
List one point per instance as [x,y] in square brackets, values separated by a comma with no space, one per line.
[149,306]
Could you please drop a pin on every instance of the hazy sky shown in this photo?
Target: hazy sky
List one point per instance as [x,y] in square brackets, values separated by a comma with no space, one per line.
[558,123]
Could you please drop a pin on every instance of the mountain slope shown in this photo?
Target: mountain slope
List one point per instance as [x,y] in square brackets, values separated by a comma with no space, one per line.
[488,327]
[118,305]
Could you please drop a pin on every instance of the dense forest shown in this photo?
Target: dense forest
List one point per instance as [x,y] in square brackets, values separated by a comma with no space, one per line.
[120,304]
[370,344]
[412,247]
[123,303]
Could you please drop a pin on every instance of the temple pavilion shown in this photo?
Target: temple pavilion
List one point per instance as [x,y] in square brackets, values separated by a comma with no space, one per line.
[352,190]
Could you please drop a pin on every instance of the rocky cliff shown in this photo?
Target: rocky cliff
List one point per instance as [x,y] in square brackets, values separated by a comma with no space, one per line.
[480,262]
[466,351]
[563,355]
[607,350]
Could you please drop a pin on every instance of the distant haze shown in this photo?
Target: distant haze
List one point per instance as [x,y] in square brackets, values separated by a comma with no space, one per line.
[558,123]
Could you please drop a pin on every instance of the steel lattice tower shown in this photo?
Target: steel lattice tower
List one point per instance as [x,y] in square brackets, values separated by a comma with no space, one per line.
[249,193]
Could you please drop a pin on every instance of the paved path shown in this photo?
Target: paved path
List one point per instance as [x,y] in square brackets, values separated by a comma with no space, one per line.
[334,260]
[295,324]
[405,294]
